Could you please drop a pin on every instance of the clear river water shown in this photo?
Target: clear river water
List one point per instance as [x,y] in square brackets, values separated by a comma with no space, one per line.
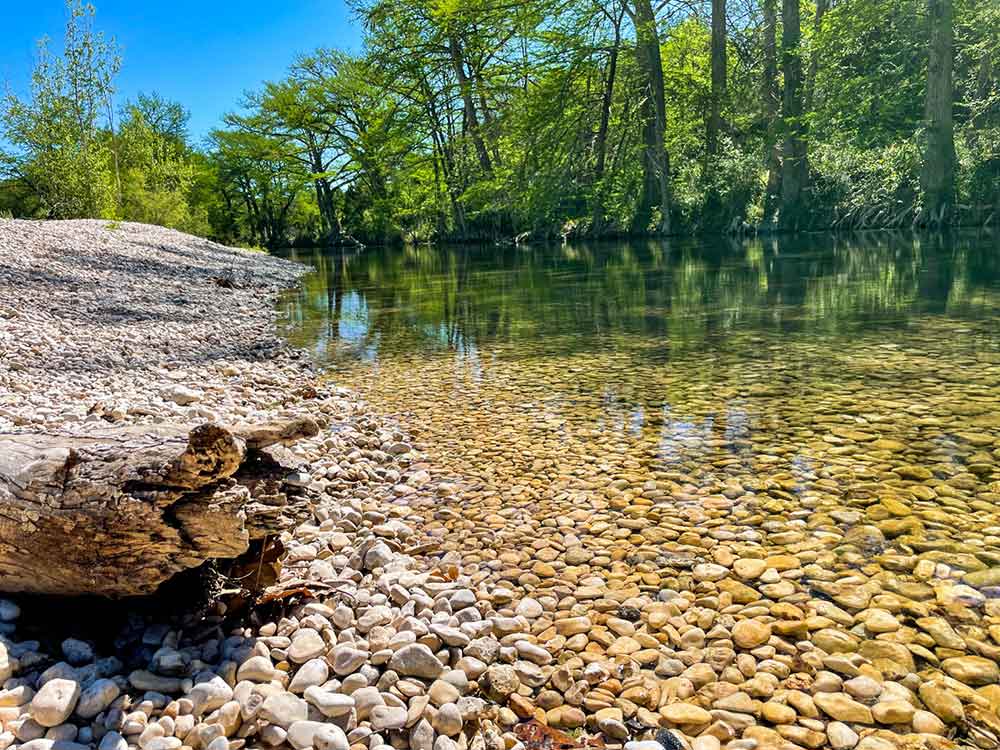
[820,383]
[789,447]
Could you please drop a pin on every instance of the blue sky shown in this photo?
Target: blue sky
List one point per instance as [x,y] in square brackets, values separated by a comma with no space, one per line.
[203,53]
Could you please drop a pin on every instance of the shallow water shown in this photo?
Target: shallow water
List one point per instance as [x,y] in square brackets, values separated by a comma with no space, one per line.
[825,380]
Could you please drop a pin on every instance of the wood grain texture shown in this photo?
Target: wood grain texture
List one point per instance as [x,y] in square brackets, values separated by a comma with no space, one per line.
[120,510]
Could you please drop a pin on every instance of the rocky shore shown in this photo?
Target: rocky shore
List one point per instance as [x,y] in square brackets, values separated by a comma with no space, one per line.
[412,610]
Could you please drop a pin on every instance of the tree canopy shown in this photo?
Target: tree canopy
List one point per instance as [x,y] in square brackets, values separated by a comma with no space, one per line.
[494,119]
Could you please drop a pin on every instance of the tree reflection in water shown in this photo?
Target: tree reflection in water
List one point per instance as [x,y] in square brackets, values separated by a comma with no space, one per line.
[723,358]
[657,296]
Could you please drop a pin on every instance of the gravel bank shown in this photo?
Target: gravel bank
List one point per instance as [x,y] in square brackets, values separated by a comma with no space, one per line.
[110,324]
[377,637]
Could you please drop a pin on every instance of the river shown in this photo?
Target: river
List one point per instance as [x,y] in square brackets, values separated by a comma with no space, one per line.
[826,383]
[801,433]
[792,359]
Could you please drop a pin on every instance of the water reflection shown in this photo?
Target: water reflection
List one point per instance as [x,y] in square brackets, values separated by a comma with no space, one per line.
[786,369]
[655,296]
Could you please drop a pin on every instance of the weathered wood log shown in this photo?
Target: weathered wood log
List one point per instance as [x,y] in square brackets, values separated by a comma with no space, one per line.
[120,510]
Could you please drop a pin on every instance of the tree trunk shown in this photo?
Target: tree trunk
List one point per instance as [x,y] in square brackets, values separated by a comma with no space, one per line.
[769,101]
[601,141]
[719,66]
[253,216]
[442,149]
[794,164]
[326,227]
[938,176]
[119,198]
[821,7]
[984,84]
[324,196]
[655,160]
[489,124]
[469,104]
[119,511]
[607,100]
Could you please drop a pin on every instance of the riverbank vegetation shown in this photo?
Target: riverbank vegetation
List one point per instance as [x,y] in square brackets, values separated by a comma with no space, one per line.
[488,119]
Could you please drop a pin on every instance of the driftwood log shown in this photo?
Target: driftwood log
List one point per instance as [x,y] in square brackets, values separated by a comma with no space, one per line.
[120,510]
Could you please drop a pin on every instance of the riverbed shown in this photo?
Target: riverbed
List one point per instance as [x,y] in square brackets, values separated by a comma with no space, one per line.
[801,434]
[807,377]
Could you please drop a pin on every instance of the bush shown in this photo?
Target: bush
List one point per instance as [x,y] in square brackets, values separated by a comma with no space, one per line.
[979,175]
[855,188]
[728,191]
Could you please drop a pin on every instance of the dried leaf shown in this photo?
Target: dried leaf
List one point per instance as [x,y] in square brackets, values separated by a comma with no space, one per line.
[537,736]
[271,596]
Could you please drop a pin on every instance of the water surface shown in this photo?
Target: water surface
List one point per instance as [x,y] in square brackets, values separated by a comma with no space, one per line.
[823,380]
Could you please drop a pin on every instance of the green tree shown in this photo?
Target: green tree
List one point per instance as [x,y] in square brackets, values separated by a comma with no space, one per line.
[156,173]
[261,180]
[64,145]
[166,118]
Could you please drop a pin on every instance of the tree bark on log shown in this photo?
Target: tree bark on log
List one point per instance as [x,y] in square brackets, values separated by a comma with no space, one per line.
[120,510]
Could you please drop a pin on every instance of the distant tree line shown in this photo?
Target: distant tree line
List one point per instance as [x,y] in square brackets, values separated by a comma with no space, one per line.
[493,119]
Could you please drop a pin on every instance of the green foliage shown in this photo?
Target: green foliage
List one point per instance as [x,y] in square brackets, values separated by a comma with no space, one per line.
[260,181]
[165,118]
[156,175]
[56,134]
[730,185]
[69,157]
[473,120]
[858,188]
[870,83]
[979,173]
